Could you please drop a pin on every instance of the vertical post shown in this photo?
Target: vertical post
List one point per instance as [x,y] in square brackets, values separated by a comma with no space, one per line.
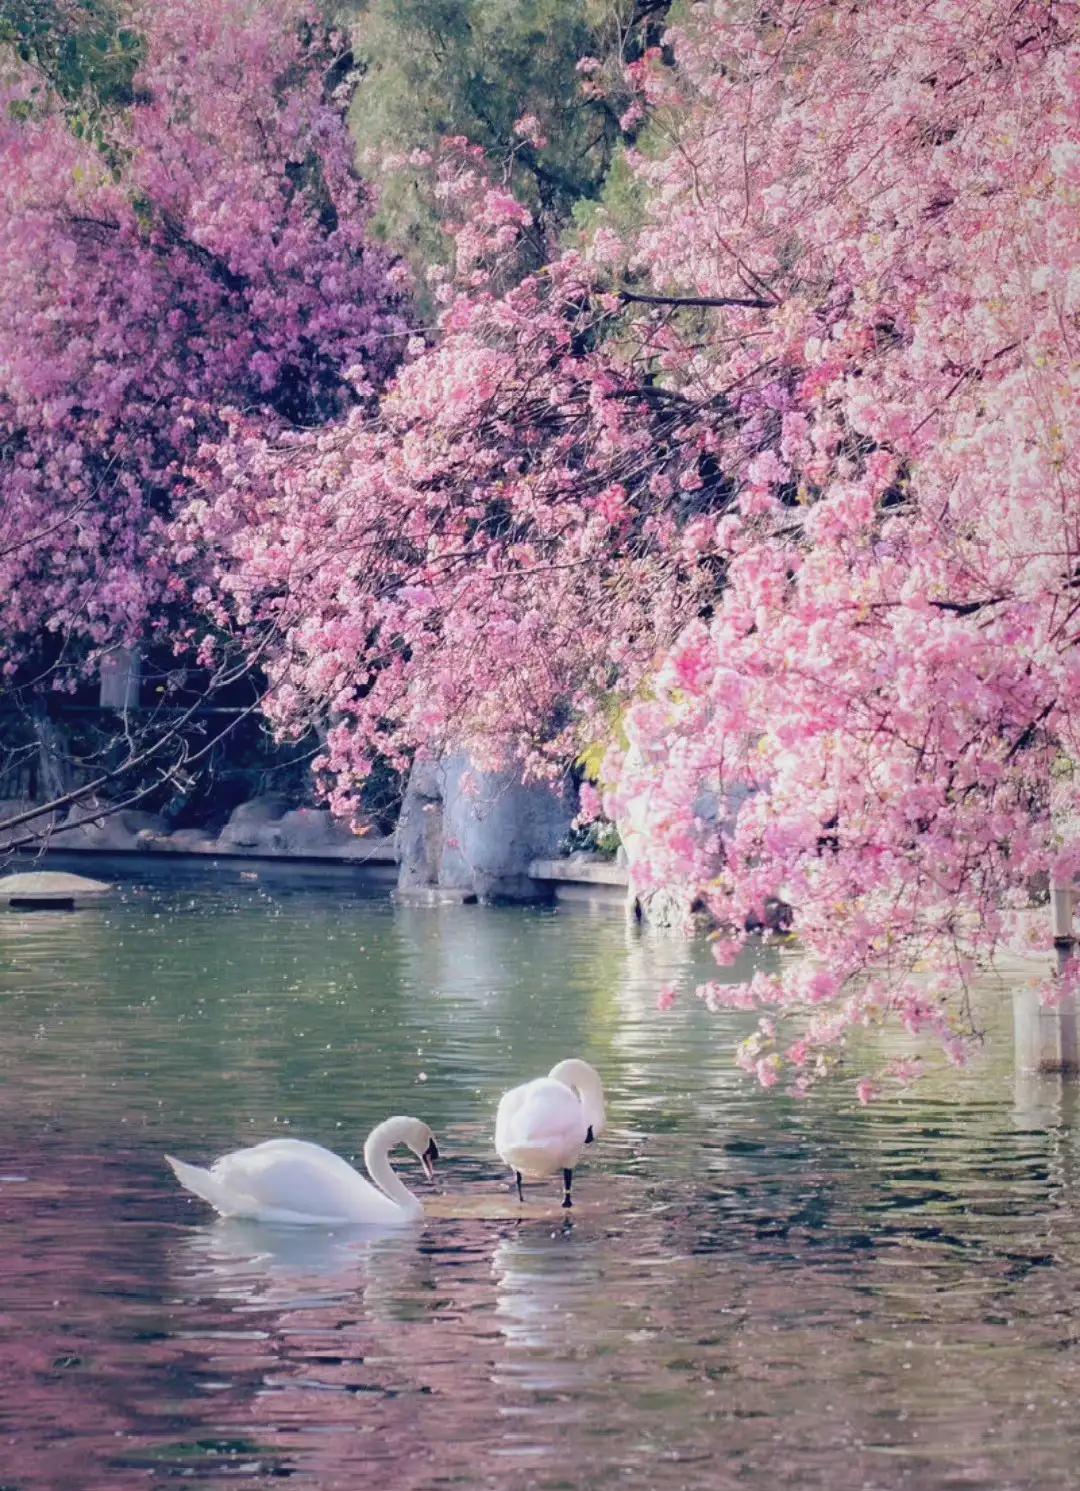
[1062,900]
[121,673]
[1047,1039]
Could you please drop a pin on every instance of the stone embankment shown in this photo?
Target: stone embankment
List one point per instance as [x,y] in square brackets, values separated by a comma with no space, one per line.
[463,836]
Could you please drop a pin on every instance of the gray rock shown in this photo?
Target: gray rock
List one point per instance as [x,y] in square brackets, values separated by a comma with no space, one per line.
[477,831]
[188,839]
[418,837]
[118,830]
[664,907]
[268,825]
[14,807]
[180,841]
[314,831]
[49,890]
[248,822]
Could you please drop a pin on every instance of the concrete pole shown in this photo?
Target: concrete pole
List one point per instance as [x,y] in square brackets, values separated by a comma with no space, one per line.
[121,671]
[1062,901]
[1046,1036]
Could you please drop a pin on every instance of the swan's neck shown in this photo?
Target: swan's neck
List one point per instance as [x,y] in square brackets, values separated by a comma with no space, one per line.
[380,1142]
[585,1080]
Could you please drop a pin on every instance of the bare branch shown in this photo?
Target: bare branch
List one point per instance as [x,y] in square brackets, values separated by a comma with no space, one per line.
[751,303]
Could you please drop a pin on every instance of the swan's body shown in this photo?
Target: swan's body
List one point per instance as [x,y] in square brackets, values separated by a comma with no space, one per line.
[290,1180]
[542,1126]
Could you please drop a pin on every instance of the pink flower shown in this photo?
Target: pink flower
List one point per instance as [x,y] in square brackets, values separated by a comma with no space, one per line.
[767,1070]
[666,998]
[589,803]
[529,128]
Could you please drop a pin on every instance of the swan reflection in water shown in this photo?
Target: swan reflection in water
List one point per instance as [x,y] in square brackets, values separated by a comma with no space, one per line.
[324,1343]
[319,1345]
[547,1289]
[260,1265]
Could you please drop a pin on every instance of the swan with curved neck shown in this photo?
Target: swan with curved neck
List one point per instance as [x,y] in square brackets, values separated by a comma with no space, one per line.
[542,1126]
[291,1180]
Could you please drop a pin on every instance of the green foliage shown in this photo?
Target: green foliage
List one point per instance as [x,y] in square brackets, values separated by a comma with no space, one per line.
[591,760]
[437,68]
[620,205]
[590,763]
[83,50]
[598,837]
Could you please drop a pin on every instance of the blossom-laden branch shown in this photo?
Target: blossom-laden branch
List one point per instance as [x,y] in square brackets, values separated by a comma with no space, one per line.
[213,256]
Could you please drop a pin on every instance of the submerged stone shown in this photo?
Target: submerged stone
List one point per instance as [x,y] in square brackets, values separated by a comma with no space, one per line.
[50,890]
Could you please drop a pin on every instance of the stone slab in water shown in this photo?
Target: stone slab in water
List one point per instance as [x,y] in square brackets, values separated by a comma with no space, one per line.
[585,869]
[49,890]
[435,895]
[545,1206]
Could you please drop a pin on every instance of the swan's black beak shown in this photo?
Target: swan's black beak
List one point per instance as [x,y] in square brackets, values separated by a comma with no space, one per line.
[428,1158]
[590,1137]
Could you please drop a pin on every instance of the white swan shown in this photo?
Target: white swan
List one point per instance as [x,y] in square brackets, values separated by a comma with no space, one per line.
[542,1126]
[290,1180]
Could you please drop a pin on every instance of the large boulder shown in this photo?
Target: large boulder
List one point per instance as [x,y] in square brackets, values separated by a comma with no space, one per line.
[476,832]
[15,807]
[314,831]
[249,824]
[418,836]
[91,825]
[180,841]
[268,825]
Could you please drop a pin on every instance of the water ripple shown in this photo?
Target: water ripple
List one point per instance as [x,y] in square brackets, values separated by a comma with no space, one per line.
[752,1292]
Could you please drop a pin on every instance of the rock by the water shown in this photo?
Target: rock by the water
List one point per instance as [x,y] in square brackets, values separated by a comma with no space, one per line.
[314,831]
[15,807]
[248,824]
[419,830]
[50,890]
[268,825]
[113,830]
[476,831]
[180,841]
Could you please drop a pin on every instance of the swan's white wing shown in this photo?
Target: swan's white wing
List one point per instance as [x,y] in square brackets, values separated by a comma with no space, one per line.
[202,1184]
[509,1104]
[540,1127]
[290,1179]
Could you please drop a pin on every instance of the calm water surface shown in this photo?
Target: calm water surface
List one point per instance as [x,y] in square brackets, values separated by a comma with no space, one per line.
[753,1293]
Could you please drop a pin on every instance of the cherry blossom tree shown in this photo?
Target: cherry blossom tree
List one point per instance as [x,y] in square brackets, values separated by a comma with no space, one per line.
[891,668]
[501,73]
[213,256]
[776,486]
[202,247]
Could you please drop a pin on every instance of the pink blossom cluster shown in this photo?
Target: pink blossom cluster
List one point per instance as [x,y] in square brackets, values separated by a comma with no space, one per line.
[889,681]
[450,571]
[212,254]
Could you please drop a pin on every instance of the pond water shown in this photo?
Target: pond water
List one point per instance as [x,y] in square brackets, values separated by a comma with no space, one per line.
[751,1293]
